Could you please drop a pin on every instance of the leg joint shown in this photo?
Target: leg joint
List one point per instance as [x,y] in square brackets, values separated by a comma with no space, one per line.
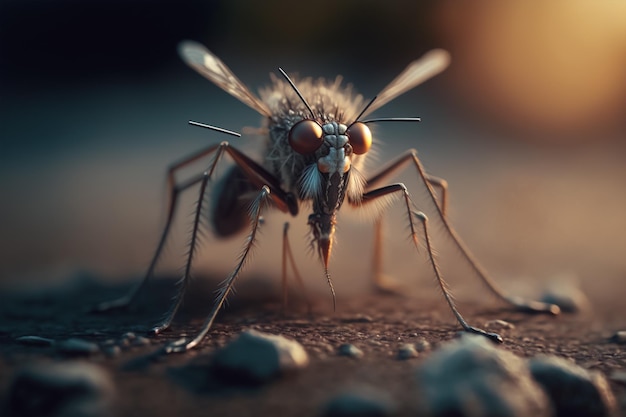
[421,216]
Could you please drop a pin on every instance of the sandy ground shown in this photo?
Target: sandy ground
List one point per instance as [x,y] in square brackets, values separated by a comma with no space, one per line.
[379,325]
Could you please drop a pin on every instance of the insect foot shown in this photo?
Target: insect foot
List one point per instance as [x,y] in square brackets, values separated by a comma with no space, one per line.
[494,337]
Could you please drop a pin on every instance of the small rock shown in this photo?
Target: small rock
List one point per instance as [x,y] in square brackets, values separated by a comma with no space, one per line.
[499,325]
[573,390]
[565,293]
[35,341]
[129,335]
[65,389]
[140,341]
[422,345]
[111,350]
[407,351]
[108,342]
[348,349]
[77,347]
[362,402]
[256,357]
[127,339]
[360,318]
[471,377]
[619,337]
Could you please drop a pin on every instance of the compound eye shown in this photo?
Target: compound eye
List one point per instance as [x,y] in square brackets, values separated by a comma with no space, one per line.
[360,138]
[305,137]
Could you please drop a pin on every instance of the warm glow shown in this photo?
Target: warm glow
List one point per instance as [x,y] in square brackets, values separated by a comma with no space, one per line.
[555,66]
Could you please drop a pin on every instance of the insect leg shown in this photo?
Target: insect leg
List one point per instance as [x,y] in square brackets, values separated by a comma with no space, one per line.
[182,345]
[443,187]
[444,289]
[283,274]
[270,189]
[400,163]
[383,282]
[400,188]
[178,298]
[174,191]
[528,306]
[288,258]
[258,176]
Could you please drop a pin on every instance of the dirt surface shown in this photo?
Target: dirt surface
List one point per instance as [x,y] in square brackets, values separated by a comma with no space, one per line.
[377,324]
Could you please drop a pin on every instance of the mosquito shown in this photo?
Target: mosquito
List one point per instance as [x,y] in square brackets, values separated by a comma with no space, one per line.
[316,145]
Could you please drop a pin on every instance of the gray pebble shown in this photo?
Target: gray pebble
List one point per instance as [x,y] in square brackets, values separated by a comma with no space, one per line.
[65,389]
[567,295]
[129,335]
[111,350]
[35,341]
[407,351]
[573,390]
[127,339]
[360,318]
[141,341]
[256,357]
[471,377]
[422,345]
[108,342]
[361,402]
[499,325]
[348,349]
[77,347]
[619,337]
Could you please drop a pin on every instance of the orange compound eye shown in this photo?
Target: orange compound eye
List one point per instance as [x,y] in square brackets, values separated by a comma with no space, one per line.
[360,138]
[305,137]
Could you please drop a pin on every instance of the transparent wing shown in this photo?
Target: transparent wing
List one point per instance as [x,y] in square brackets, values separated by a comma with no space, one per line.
[418,71]
[210,66]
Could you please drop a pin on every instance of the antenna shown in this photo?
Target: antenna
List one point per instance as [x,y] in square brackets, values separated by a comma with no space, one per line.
[393,119]
[297,91]
[363,111]
[383,119]
[215,128]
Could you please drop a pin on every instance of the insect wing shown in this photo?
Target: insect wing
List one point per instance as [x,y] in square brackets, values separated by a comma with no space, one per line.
[418,71]
[210,66]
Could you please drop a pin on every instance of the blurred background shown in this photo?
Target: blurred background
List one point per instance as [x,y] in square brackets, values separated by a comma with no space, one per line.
[528,126]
